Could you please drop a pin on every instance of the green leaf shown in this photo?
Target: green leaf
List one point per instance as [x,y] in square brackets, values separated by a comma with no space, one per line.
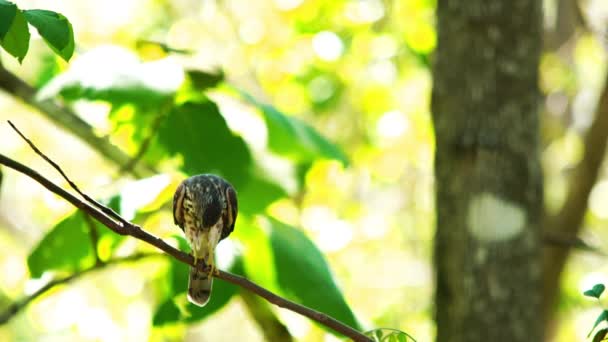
[198,132]
[166,313]
[389,335]
[117,76]
[55,29]
[258,258]
[603,316]
[258,194]
[600,335]
[304,275]
[8,10]
[596,291]
[108,239]
[179,271]
[201,80]
[293,138]
[16,40]
[66,247]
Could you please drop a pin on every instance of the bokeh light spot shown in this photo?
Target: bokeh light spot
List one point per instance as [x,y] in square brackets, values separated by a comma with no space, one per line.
[327,45]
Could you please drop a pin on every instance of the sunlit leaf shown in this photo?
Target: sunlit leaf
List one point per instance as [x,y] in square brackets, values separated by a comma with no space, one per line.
[293,138]
[117,76]
[389,335]
[16,39]
[303,274]
[603,316]
[596,291]
[198,133]
[258,257]
[66,247]
[55,29]
[108,239]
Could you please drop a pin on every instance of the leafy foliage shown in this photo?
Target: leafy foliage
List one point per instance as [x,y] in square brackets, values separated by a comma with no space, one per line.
[8,10]
[600,335]
[198,132]
[117,76]
[602,317]
[66,247]
[596,291]
[53,27]
[16,37]
[389,335]
[292,138]
[297,268]
[258,194]
[192,130]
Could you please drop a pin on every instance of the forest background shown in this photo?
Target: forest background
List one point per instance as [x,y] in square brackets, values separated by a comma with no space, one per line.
[317,111]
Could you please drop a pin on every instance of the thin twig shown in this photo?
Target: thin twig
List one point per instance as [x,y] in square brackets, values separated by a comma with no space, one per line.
[94,236]
[556,240]
[136,231]
[107,210]
[13,309]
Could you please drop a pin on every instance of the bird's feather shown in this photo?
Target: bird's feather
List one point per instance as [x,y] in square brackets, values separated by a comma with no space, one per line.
[205,208]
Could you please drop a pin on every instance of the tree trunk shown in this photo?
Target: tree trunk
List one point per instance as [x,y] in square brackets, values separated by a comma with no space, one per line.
[488,173]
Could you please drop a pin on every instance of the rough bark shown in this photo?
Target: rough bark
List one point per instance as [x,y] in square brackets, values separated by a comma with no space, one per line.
[487,168]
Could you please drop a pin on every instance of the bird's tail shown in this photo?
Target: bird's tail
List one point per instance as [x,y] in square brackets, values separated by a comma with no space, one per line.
[199,287]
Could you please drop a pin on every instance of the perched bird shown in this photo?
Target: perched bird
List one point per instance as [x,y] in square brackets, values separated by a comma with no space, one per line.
[205,208]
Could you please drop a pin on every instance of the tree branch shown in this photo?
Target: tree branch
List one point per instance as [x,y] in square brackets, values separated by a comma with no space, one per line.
[68,120]
[568,221]
[16,307]
[124,227]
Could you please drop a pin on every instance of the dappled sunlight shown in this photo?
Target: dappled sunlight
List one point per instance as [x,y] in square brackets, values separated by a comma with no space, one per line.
[318,112]
[327,45]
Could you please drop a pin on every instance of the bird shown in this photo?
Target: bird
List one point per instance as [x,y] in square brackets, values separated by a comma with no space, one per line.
[205,208]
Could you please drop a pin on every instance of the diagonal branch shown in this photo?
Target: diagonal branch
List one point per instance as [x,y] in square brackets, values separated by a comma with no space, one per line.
[125,227]
[568,221]
[16,307]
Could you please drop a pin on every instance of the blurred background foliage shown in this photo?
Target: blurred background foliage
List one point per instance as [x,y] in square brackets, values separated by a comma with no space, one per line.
[317,111]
